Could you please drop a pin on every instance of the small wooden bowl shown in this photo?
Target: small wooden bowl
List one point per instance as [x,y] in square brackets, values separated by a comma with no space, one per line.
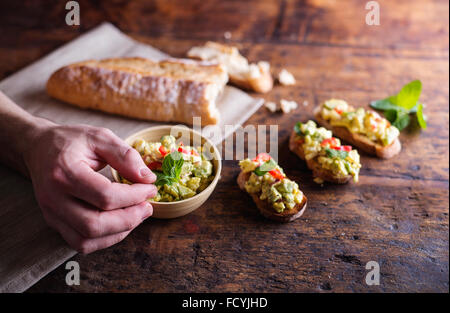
[182,207]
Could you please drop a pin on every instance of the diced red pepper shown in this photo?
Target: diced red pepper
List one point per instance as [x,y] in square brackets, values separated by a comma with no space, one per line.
[276,173]
[377,121]
[330,141]
[262,157]
[338,111]
[163,150]
[300,140]
[155,165]
[343,148]
[182,150]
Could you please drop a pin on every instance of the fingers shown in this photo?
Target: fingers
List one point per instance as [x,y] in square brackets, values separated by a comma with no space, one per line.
[126,160]
[86,184]
[91,223]
[80,243]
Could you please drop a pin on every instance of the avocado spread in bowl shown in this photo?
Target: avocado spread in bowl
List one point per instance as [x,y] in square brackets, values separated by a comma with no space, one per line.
[182,171]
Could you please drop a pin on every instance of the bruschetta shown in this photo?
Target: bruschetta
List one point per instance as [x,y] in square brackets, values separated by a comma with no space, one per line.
[324,155]
[276,196]
[365,129]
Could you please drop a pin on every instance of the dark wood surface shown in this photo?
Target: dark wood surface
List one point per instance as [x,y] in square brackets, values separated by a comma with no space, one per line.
[397,215]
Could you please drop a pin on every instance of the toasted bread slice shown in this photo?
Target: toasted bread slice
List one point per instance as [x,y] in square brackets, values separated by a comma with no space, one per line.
[360,141]
[317,169]
[265,208]
[251,76]
[172,90]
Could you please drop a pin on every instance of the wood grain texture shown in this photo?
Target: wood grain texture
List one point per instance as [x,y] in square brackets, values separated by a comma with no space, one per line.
[397,215]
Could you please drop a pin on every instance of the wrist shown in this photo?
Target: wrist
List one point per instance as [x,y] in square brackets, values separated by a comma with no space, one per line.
[31,133]
[19,132]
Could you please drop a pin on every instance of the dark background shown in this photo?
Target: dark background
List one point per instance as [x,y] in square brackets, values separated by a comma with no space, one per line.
[397,215]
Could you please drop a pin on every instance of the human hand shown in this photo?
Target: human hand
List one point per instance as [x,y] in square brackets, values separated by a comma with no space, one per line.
[86,208]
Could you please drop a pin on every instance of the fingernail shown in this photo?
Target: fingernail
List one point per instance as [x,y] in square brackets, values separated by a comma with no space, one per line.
[152,191]
[145,171]
[148,211]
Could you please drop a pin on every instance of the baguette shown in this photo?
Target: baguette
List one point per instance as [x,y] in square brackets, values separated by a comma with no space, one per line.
[264,206]
[318,171]
[251,76]
[358,140]
[171,90]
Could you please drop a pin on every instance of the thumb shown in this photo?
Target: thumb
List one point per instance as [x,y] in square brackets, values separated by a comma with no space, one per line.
[123,158]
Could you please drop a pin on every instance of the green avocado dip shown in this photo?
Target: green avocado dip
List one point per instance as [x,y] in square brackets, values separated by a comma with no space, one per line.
[182,171]
[359,121]
[318,143]
[268,180]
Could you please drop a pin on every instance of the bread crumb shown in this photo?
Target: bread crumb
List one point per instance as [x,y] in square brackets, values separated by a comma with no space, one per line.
[254,71]
[264,66]
[227,35]
[318,180]
[305,103]
[288,106]
[285,78]
[259,69]
[271,106]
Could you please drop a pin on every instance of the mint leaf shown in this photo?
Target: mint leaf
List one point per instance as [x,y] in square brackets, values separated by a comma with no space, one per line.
[162,179]
[402,120]
[297,128]
[265,167]
[332,153]
[171,169]
[397,108]
[409,95]
[420,117]
[391,115]
[414,109]
[383,105]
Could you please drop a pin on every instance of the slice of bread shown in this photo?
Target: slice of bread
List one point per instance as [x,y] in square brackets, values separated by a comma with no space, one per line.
[314,165]
[251,76]
[360,141]
[266,209]
[173,90]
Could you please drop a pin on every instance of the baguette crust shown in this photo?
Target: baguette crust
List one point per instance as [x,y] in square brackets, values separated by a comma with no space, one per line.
[261,84]
[359,141]
[141,88]
[318,171]
[266,210]
[256,76]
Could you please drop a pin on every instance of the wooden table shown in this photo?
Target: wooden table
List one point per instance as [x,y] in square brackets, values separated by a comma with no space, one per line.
[397,215]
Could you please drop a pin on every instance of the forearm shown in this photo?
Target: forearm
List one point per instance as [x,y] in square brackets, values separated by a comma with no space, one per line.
[18,130]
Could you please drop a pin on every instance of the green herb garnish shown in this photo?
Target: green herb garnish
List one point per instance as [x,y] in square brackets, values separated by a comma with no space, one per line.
[332,153]
[265,167]
[398,108]
[298,129]
[420,116]
[171,169]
